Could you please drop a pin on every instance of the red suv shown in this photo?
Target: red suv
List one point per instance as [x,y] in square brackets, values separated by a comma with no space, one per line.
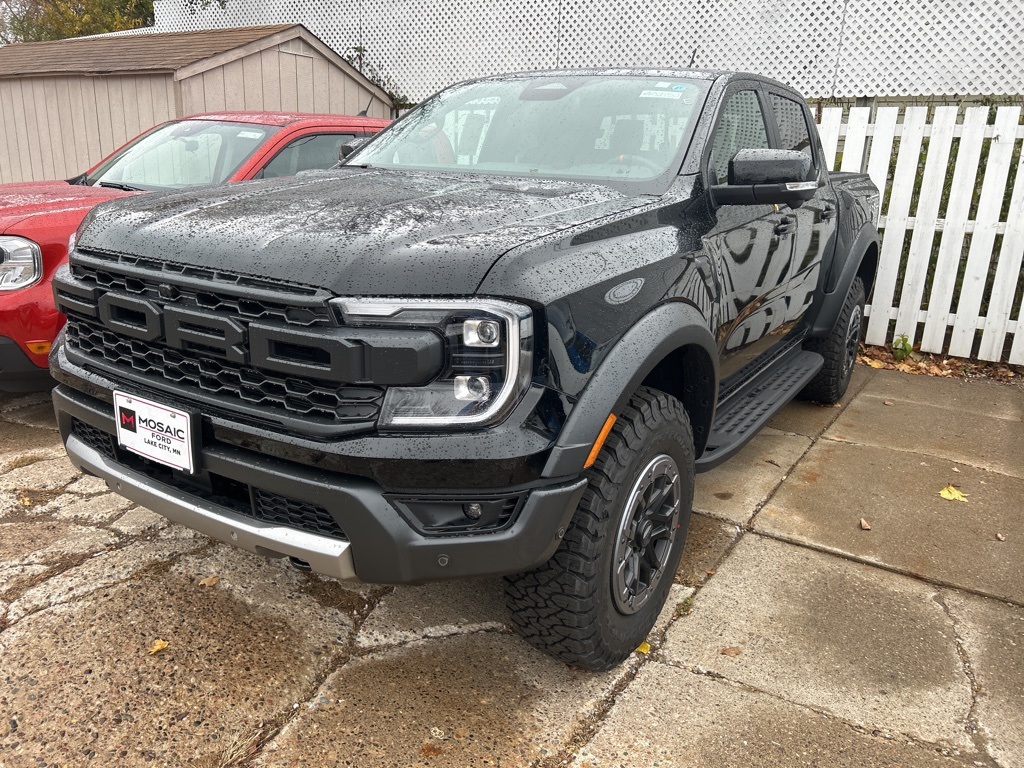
[38,218]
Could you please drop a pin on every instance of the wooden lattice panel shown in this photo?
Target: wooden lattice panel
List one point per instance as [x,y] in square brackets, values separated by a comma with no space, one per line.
[824,48]
[926,47]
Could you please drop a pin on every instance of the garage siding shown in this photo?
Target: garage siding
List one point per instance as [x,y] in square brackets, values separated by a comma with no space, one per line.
[57,127]
[293,76]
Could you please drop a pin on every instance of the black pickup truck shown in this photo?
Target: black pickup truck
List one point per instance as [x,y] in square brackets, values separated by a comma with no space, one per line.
[500,339]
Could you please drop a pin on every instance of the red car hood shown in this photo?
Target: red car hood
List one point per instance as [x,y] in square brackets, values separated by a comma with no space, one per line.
[19,201]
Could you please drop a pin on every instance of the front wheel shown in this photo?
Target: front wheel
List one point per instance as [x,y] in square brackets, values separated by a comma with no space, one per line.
[598,597]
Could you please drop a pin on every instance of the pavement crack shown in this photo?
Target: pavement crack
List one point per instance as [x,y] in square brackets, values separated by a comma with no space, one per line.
[359,610]
[883,566]
[585,730]
[972,726]
[938,747]
[752,520]
[491,627]
[919,451]
[70,562]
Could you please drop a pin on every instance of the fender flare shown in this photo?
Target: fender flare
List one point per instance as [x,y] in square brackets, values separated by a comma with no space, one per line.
[832,302]
[653,337]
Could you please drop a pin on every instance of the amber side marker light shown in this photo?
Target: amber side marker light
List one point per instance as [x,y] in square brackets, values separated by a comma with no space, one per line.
[599,443]
[39,347]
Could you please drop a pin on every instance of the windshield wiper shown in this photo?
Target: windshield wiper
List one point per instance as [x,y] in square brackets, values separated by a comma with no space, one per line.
[122,187]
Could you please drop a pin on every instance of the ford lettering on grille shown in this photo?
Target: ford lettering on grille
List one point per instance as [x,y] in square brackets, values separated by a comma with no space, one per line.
[146,327]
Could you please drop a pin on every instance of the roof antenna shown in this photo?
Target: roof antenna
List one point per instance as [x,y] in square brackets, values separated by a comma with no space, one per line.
[365,111]
[692,58]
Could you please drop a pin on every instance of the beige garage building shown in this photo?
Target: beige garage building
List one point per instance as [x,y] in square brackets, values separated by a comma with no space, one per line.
[66,104]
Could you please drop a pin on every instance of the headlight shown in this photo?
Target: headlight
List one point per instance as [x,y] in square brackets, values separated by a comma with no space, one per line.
[21,263]
[488,360]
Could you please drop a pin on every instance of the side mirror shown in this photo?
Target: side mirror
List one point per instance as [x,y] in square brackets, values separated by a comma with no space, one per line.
[349,147]
[767,176]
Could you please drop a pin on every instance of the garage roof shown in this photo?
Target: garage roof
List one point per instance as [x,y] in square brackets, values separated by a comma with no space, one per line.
[160,52]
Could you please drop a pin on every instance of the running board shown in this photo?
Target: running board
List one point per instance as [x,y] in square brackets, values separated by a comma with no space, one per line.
[742,415]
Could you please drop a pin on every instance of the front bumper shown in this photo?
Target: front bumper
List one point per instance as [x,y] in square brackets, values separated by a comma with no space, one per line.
[379,546]
[17,371]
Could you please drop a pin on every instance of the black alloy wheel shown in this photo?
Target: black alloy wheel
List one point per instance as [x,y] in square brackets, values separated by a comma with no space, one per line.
[598,597]
[646,534]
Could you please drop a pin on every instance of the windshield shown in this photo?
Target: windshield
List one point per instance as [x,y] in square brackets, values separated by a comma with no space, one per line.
[182,154]
[599,128]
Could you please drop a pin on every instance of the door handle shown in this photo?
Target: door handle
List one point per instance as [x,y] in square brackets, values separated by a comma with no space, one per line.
[827,213]
[784,227]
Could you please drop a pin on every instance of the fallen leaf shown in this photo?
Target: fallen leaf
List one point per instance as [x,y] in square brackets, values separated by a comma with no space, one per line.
[952,494]
[732,651]
[955,469]
[710,573]
[865,525]
[644,647]
[157,646]
[430,750]
[888,402]
[209,581]
[875,363]
[1000,537]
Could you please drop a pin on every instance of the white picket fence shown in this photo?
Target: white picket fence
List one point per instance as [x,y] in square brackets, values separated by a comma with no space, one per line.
[935,292]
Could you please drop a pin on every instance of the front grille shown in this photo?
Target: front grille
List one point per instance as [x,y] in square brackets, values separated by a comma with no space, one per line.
[239,497]
[217,301]
[322,401]
[207,373]
[123,263]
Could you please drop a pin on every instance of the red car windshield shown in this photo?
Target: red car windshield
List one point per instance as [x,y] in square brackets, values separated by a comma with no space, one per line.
[182,154]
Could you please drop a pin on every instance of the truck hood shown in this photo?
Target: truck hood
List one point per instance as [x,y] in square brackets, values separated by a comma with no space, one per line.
[19,201]
[353,231]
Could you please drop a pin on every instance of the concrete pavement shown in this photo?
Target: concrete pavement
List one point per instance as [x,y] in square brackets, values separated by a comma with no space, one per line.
[794,637]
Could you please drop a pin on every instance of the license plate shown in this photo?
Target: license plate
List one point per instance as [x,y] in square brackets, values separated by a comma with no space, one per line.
[155,431]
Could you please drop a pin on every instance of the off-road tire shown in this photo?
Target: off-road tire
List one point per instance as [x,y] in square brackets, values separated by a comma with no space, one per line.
[567,607]
[839,349]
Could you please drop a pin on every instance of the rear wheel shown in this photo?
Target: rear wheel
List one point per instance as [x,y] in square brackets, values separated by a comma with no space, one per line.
[839,349]
[598,597]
